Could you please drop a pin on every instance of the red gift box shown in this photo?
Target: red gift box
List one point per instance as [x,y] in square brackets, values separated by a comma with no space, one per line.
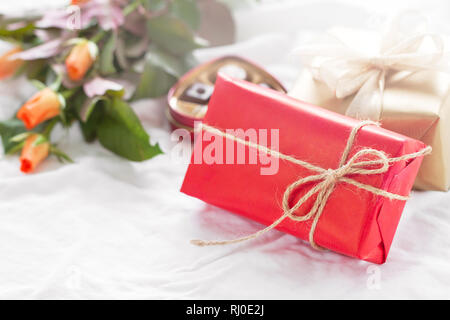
[355,221]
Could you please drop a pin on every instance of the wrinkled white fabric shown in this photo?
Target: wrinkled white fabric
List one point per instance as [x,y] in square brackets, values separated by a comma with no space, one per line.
[104,227]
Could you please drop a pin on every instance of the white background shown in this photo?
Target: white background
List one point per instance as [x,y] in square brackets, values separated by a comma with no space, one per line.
[108,228]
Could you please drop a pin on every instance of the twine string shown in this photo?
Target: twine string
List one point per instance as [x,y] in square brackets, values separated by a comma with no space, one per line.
[325,181]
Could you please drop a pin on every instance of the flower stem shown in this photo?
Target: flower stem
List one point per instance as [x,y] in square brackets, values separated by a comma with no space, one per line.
[99,36]
[48,129]
[69,93]
[131,7]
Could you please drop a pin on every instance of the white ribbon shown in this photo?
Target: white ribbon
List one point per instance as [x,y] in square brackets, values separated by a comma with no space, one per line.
[406,47]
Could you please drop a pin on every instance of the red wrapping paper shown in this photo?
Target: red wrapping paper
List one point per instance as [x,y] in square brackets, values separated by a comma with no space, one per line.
[354,222]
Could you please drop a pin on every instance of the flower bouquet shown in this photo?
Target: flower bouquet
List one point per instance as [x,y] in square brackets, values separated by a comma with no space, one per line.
[88,61]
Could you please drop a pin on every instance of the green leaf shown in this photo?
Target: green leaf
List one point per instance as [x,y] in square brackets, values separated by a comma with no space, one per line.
[16,148]
[38,85]
[16,34]
[174,35]
[54,80]
[37,70]
[40,140]
[62,112]
[61,155]
[89,107]
[107,56]
[20,137]
[121,132]
[8,130]
[75,99]
[89,127]
[78,107]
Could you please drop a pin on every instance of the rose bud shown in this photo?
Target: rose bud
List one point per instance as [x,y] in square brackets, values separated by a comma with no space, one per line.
[42,106]
[78,2]
[80,60]
[33,153]
[9,66]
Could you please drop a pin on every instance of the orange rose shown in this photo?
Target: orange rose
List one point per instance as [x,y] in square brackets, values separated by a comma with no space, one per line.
[42,106]
[79,61]
[33,154]
[78,2]
[7,66]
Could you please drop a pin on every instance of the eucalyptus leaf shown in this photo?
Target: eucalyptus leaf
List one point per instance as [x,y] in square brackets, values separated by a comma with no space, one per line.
[186,10]
[136,48]
[174,35]
[154,82]
[140,53]
[120,54]
[160,72]
[171,64]
[121,132]
[155,5]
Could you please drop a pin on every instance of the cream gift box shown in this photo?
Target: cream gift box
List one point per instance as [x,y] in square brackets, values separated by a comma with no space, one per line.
[400,78]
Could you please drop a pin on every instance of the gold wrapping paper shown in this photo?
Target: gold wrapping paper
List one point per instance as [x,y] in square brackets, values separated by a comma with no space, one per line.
[399,77]
[417,106]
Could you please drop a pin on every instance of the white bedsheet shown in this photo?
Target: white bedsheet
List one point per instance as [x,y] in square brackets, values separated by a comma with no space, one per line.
[108,228]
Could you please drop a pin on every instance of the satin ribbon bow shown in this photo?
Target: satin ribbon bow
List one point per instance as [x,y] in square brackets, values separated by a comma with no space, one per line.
[405,47]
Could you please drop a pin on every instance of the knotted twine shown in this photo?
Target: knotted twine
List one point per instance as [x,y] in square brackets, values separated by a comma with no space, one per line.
[326,180]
